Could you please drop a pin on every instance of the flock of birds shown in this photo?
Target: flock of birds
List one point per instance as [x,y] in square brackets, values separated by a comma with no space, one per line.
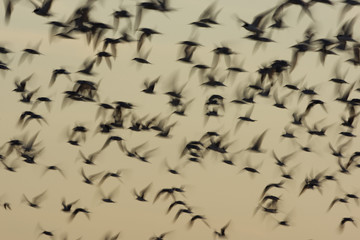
[307,109]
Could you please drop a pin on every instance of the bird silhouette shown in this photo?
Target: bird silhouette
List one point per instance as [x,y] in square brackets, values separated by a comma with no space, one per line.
[90,179]
[257,143]
[66,207]
[80,210]
[221,233]
[43,9]
[35,202]
[141,195]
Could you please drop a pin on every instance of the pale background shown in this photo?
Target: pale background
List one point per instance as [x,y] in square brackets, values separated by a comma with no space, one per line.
[215,190]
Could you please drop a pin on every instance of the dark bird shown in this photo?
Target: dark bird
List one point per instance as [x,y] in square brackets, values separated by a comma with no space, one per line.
[47,101]
[88,66]
[160,237]
[181,211]
[209,15]
[6,206]
[34,203]
[146,34]
[42,9]
[283,160]
[104,55]
[356,52]
[117,139]
[348,122]
[108,198]
[112,42]
[345,35]
[141,195]
[10,167]
[188,49]
[54,168]
[257,143]
[270,186]
[345,220]
[198,217]
[141,60]
[150,5]
[258,23]
[116,175]
[167,191]
[280,102]
[278,21]
[56,72]
[27,116]
[340,200]
[91,178]
[47,233]
[9,8]
[250,170]
[340,149]
[212,82]
[226,52]
[172,205]
[109,236]
[312,183]
[66,207]
[299,50]
[56,26]
[324,49]
[80,210]
[121,14]
[29,53]
[150,86]
[221,233]
[246,118]
[312,104]
[348,5]
[21,85]
[26,97]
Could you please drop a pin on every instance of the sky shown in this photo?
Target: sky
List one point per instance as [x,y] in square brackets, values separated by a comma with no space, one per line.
[220,192]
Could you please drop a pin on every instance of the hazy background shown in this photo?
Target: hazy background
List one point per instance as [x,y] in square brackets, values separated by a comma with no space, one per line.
[214,189]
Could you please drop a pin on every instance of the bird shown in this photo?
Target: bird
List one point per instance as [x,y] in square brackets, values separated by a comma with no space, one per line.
[108,198]
[66,207]
[29,53]
[35,202]
[91,178]
[246,118]
[160,237]
[272,185]
[150,86]
[196,217]
[88,66]
[21,85]
[56,72]
[150,5]
[340,200]
[257,25]
[109,236]
[117,139]
[54,168]
[257,143]
[121,14]
[146,34]
[9,8]
[42,9]
[80,210]
[141,195]
[345,220]
[221,233]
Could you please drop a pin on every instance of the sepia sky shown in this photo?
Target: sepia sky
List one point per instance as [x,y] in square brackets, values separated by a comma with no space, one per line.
[220,192]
